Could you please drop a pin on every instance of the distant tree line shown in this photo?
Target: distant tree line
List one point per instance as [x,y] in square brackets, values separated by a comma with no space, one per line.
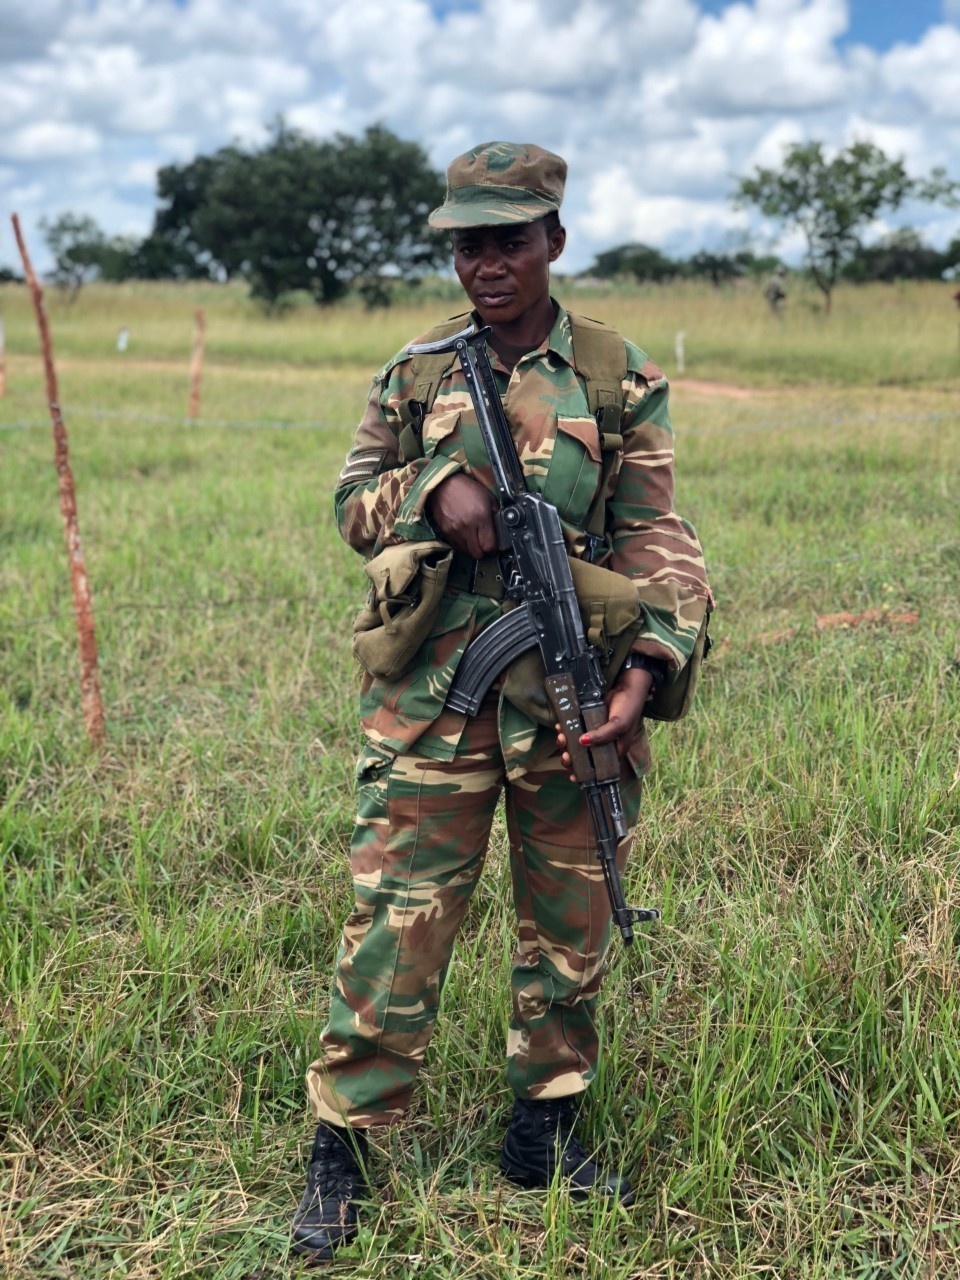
[349,215]
[644,263]
[900,255]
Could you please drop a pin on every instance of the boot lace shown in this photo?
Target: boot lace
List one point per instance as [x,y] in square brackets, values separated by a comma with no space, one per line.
[333,1170]
[559,1119]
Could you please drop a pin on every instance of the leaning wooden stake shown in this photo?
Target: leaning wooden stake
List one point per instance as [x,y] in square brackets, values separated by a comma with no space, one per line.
[196,364]
[82,601]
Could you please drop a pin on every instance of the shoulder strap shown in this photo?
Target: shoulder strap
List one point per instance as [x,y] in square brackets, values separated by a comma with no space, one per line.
[428,372]
[601,360]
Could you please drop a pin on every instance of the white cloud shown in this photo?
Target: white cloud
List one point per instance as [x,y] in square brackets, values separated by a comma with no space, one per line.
[164,30]
[322,118]
[28,28]
[770,147]
[777,56]
[928,71]
[912,143]
[49,140]
[655,104]
[619,209]
[141,173]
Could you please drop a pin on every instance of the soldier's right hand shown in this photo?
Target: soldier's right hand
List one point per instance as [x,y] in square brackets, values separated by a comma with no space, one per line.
[461,510]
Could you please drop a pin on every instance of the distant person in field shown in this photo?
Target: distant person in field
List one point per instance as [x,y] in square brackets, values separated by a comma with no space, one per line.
[776,290]
[429,778]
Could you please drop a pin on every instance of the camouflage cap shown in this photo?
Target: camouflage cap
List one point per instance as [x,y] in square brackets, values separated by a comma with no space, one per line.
[498,183]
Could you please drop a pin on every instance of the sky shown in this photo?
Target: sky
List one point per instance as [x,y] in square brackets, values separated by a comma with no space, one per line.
[657,105]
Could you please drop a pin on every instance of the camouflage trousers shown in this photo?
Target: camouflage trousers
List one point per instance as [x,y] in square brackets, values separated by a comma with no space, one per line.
[417,852]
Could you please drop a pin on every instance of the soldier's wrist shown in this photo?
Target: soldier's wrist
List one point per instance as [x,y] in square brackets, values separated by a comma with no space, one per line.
[654,666]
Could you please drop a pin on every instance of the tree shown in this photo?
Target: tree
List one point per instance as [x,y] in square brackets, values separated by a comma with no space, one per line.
[162,257]
[173,250]
[637,260]
[900,255]
[76,243]
[82,253]
[324,217]
[833,200]
[721,268]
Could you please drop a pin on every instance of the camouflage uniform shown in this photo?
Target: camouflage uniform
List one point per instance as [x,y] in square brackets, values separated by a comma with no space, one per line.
[429,778]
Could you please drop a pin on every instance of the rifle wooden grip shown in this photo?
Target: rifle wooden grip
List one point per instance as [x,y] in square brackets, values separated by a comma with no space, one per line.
[590,764]
[606,762]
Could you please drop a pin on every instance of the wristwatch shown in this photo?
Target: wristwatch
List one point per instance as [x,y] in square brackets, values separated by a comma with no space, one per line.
[655,666]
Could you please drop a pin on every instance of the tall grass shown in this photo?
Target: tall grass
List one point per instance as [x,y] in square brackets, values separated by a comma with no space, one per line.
[782,1067]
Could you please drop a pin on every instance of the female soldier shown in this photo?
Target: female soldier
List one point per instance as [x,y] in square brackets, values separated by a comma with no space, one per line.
[429,777]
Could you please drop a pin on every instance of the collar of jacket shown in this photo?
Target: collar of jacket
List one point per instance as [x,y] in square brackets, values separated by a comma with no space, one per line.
[559,340]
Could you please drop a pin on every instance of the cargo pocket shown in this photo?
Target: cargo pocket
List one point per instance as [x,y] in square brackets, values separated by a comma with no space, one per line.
[407,584]
[374,766]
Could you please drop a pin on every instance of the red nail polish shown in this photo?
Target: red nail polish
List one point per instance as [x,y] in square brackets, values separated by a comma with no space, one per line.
[585,740]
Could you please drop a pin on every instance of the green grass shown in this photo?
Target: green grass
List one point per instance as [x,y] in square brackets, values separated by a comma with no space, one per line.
[782,1067]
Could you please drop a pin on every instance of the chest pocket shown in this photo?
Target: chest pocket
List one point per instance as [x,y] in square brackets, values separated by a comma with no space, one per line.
[456,434]
[573,475]
[440,434]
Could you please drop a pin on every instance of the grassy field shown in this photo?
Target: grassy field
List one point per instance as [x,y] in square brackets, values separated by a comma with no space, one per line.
[782,1075]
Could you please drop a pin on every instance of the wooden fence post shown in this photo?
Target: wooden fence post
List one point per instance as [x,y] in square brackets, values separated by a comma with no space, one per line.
[196,364]
[90,699]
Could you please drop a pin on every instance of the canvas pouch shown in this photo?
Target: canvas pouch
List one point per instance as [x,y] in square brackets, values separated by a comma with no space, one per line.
[406,586]
[612,617]
[674,698]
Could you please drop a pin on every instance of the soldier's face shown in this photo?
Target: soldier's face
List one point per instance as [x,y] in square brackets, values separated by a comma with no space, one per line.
[505,271]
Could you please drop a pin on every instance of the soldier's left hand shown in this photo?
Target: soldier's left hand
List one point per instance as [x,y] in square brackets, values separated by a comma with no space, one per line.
[625,703]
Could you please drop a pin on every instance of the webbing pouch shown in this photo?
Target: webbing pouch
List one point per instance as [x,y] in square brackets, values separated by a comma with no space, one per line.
[407,584]
[612,617]
[674,698]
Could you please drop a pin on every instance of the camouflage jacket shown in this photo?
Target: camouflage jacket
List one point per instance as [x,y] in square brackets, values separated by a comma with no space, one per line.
[381,501]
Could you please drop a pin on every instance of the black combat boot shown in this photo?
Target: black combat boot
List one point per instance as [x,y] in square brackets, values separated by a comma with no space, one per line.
[326,1216]
[540,1141]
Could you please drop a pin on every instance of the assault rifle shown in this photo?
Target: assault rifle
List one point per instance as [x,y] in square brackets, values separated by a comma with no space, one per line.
[537,576]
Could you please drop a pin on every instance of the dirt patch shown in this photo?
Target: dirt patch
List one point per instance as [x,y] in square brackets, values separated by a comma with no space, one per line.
[702,387]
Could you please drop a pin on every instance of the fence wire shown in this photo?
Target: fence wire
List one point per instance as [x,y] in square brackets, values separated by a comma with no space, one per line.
[201,604]
[779,423]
